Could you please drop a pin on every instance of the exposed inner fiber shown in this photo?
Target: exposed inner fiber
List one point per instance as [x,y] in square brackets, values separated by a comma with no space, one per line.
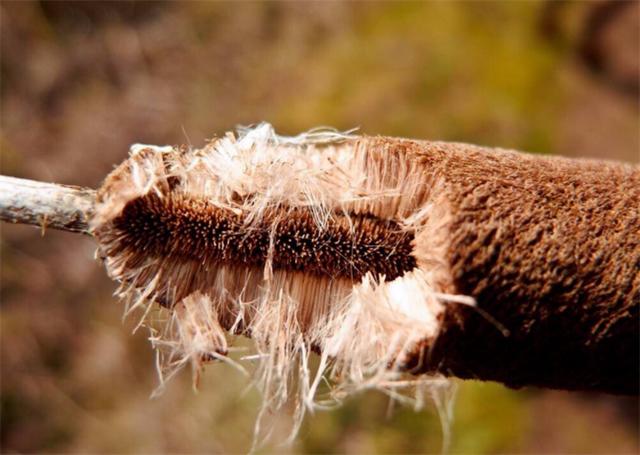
[187,228]
[305,244]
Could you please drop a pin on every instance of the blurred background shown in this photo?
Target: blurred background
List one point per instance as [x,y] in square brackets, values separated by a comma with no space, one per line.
[82,81]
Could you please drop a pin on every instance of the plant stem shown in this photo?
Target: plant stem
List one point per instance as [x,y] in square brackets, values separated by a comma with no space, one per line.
[47,205]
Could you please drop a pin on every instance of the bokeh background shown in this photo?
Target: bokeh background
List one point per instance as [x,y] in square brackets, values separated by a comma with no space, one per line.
[80,82]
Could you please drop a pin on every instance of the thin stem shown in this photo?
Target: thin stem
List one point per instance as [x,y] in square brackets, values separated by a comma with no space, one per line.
[47,205]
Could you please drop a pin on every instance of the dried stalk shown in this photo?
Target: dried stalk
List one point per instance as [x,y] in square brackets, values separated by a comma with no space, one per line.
[47,205]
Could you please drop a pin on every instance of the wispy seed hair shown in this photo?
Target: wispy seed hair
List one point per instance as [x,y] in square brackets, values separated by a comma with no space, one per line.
[314,243]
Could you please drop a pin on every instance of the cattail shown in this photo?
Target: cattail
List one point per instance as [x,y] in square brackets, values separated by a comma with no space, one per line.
[395,260]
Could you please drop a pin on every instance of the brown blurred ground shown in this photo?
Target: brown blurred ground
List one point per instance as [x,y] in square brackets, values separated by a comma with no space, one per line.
[80,82]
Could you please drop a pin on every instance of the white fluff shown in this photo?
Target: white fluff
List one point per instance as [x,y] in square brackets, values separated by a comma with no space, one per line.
[364,330]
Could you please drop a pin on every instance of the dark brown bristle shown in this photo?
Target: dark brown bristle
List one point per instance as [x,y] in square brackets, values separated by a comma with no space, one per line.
[187,228]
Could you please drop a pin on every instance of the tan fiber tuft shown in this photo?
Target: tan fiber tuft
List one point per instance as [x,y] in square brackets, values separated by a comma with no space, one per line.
[304,244]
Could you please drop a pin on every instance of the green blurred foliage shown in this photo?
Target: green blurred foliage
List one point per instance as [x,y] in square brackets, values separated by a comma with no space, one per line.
[438,70]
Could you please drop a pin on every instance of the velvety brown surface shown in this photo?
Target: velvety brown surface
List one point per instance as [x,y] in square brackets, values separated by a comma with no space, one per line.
[550,249]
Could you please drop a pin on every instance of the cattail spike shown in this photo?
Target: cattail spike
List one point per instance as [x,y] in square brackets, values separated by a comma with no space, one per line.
[388,257]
